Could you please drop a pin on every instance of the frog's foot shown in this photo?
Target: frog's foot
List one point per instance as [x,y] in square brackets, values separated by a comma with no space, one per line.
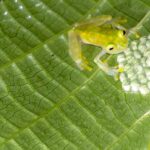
[115,72]
[112,71]
[120,20]
[83,64]
[117,23]
[118,71]
[103,64]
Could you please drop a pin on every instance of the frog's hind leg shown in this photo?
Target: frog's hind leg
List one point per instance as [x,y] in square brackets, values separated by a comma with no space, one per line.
[96,21]
[108,70]
[76,52]
[139,25]
[117,23]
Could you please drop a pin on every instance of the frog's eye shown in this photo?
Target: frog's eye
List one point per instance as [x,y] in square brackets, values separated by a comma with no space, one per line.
[124,32]
[110,47]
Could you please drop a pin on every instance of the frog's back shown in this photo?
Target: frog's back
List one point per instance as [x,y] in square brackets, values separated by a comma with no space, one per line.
[96,35]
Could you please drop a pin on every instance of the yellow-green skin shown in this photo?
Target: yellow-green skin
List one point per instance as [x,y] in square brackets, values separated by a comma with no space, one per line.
[102,31]
[104,36]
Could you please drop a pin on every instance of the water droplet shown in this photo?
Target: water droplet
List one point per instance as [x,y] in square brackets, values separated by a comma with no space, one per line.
[89,16]
[30,56]
[13,65]
[20,7]
[29,17]
[38,4]
[46,47]
[62,37]
[5,13]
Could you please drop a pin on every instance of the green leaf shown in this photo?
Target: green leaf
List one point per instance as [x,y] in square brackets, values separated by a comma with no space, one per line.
[46,103]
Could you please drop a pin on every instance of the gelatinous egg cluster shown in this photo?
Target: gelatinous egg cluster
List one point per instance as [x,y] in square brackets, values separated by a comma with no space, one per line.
[136,63]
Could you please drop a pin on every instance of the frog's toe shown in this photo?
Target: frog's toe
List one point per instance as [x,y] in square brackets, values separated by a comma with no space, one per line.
[112,72]
[83,65]
[119,69]
[117,72]
[88,68]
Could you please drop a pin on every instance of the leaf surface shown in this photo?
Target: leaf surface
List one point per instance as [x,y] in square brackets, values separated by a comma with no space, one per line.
[46,103]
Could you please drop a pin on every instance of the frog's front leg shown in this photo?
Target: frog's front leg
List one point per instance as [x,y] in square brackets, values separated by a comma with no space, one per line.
[76,52]
[104,66]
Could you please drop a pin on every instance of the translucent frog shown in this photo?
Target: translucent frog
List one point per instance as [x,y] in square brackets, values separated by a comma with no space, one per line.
[104,32]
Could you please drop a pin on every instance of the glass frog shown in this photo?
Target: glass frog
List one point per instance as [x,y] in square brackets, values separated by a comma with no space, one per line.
[104,32]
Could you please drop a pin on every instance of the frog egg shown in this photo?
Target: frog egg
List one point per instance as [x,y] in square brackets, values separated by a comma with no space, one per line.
[148,85]
[148,44]
[127,52]
[143,62]
[135,86]
[127,88]
[136,64]
[148,37]
[137,54]
[148,62]
[142,78]
[148,77]
[138,69]
[144,90]
[134,45]
[147,72]
[121,58]
[147,53]
[126,67]
[143,40]
[123,77]
[141,47]
[130,74]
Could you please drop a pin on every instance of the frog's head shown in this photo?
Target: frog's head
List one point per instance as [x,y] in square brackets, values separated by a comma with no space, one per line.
[118,42]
